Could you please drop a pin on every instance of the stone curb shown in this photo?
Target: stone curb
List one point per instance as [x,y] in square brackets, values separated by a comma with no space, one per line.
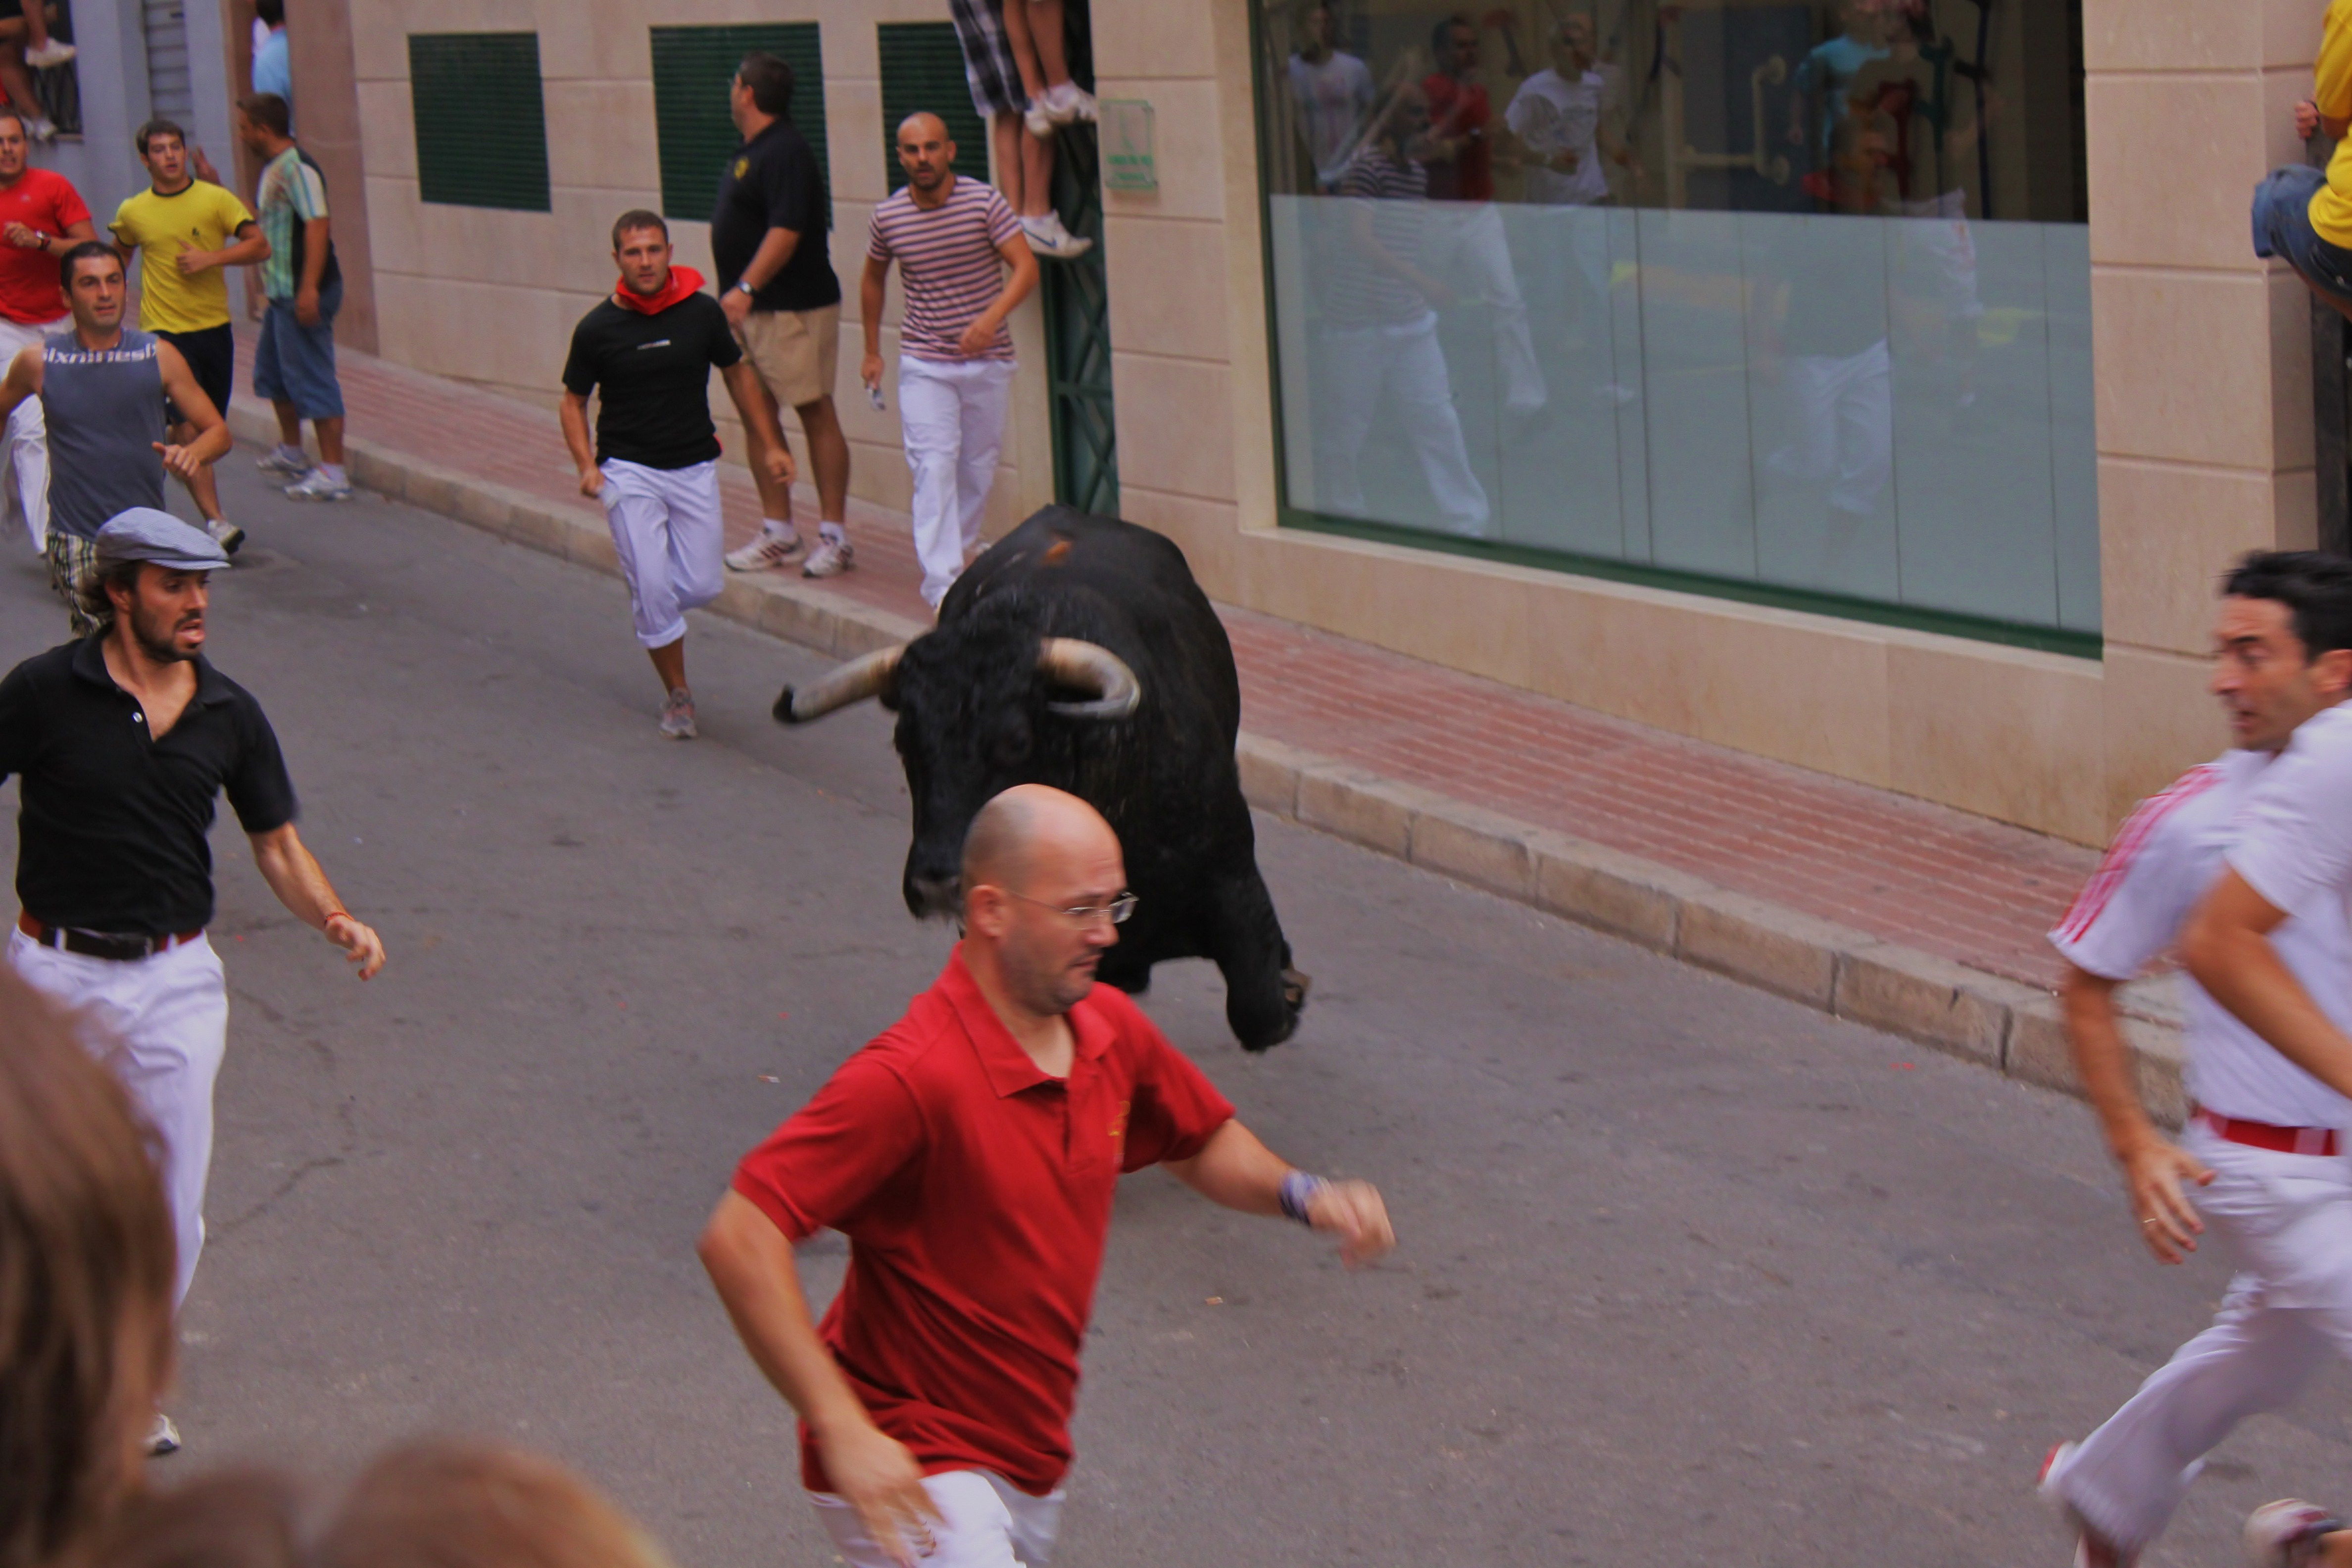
[2013,1029]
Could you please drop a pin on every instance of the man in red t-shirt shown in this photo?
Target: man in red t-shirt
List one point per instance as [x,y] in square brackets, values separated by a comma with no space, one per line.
[41,217]
[970,1154]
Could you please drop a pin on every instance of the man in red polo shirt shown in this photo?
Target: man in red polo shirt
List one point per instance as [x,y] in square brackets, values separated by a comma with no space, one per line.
[970,1154]
[41,217]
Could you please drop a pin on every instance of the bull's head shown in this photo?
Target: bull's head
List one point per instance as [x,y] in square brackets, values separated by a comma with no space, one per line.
[975,701]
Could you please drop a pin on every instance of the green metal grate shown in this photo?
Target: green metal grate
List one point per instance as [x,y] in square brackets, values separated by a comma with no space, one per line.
[692,69]
[922,68]
[482,125]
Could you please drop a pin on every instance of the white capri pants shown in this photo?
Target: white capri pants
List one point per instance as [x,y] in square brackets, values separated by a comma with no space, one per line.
[671,540]
[985,1522]
[952,413]
[2287,1222]
[24,450]
[161,1025]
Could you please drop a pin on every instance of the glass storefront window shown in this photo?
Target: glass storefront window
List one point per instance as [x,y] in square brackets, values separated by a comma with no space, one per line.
[1784,300]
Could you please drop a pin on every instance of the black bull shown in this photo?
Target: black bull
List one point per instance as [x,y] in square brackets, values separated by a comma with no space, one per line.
[1078,652]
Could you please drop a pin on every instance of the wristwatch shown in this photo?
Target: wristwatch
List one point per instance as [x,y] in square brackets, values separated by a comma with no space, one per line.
[743,287]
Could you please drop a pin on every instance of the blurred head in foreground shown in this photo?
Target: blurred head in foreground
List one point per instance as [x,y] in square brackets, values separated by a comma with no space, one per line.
[433,1504]
[86,1272]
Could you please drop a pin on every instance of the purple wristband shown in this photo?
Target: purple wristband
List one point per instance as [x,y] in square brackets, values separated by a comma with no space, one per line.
[1297,1191]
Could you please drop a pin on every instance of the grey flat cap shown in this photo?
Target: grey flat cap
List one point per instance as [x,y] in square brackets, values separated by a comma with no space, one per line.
[142,533]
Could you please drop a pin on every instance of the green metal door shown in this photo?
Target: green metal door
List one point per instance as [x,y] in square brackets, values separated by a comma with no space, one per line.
[1076,299]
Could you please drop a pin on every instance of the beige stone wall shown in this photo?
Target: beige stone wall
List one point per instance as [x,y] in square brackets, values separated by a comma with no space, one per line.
[490,297]
[2203,421]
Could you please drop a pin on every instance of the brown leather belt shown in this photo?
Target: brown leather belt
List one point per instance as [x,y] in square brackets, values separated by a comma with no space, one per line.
[2279,1139]
[98,944]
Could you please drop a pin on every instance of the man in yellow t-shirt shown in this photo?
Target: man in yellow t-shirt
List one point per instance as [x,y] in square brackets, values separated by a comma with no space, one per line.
[186,231]
[2303,216]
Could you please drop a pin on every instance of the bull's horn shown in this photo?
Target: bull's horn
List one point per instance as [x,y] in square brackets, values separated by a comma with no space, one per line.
[853,682]
[1091,666]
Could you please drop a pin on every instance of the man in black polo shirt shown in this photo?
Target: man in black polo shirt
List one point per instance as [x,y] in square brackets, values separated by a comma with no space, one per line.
[776,283]
[122,741]
[648,352]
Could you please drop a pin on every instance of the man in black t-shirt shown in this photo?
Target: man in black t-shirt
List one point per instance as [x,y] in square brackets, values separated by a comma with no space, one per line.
[776,283]
[122,741]
[646,352]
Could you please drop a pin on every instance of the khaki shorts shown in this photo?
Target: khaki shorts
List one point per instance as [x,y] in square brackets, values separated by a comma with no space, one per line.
[795,351]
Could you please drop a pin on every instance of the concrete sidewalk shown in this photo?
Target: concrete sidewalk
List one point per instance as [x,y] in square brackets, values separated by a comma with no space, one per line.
[1902,915]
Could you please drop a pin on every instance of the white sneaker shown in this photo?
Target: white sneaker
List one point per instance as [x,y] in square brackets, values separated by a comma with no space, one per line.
[1050,240]
[275,461]
[829,559]
[766,549]
[319,486]
[41,128]
[1039,119]
[56,52]
[225,534]
[162,1437]
[1070,102]
[677,716]
[2286,1534]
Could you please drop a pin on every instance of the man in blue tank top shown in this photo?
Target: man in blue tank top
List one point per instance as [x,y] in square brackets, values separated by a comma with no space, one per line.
[102,388]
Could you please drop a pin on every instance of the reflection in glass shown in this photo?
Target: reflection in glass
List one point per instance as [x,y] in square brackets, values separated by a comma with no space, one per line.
[1785,293]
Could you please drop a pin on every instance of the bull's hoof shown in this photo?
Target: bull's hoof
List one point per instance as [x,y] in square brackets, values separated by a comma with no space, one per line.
[782,711]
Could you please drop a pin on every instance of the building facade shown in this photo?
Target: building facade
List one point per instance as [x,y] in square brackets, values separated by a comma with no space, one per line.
[1876,385]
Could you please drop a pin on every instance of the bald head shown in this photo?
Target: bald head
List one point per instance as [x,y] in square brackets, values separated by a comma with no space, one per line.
[927,154]
[1026,825]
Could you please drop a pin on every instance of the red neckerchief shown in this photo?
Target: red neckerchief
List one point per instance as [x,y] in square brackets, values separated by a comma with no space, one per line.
[683,280]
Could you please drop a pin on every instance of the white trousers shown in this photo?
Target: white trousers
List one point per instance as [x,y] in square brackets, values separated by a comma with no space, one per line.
[952,413]
[161,1024]
[1468,244]
[672,543]
[1358,364]
[24,450]
[2286,1220]
[1844,415]
[985,1522]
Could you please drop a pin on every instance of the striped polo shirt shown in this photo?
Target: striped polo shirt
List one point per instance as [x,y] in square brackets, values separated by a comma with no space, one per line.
[948,263]
[1358,291]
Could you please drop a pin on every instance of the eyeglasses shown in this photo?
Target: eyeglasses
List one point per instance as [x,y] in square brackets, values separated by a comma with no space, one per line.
[1116,911]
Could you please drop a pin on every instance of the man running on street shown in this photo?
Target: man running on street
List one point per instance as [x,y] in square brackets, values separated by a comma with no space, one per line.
[186,233]
[121,741]
[969,1153]
[303,283]
[646,352]
[41,217]
[954,239]
[102,389]
[2263,1141]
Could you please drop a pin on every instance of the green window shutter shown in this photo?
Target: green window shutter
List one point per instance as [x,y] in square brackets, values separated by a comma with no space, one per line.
[481,126]
[922,68]
[692,69]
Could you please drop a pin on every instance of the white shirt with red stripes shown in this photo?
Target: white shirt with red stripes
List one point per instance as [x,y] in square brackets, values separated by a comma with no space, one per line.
[2165,858]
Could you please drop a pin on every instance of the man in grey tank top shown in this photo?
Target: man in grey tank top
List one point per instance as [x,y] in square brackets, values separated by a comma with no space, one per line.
[101,388]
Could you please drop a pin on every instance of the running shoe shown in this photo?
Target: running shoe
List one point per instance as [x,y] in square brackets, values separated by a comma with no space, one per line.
[1069,101]
[41,129]
[2286,1534]
[677,716]
[56,52]
[1039,119]
[225,534]
[829,558]
[2092,1549]
[162,1437]
[767,550]
[1050,240]
[276,462]
[319,486]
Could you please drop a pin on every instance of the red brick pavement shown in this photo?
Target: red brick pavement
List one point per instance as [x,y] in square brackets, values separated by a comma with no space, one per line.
[1963,887]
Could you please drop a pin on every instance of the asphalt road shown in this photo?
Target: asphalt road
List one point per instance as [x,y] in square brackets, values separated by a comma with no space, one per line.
[1687,1274]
